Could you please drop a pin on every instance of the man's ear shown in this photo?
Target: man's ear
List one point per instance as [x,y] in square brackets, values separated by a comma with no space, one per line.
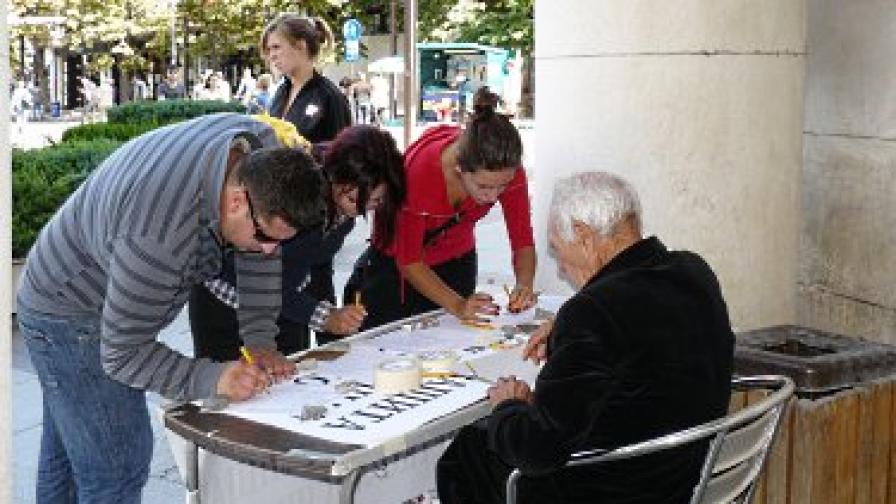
[582,233]
[234,198]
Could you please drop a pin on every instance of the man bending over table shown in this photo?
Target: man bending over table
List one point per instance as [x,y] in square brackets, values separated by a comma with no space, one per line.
[644,348]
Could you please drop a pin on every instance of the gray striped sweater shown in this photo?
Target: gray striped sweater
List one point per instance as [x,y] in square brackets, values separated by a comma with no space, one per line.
[127,246]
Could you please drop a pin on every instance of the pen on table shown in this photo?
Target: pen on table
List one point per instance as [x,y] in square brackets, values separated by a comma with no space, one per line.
[478,325]
[439,374]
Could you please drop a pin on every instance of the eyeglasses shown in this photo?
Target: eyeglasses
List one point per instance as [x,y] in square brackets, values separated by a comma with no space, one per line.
[260,236]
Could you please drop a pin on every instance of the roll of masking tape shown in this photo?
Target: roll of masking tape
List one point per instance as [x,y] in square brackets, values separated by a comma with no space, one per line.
[396,375]
[437,361]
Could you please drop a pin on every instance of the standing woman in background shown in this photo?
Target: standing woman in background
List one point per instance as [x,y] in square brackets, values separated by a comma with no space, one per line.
[454,176]
[310,101]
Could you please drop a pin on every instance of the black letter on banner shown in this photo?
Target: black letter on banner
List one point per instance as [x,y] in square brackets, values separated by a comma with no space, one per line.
[430,386]
[427,393]
[324,381]
[345,424]
[390,404]
[412,396]
[363,393]
[376,418]
[447,381]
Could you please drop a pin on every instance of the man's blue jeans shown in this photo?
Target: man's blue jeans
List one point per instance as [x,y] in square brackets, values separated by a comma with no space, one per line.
[97,441]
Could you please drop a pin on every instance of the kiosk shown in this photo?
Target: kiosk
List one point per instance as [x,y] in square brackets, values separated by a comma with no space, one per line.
[450,73]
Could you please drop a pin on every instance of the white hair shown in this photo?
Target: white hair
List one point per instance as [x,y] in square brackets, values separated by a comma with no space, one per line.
[598,199]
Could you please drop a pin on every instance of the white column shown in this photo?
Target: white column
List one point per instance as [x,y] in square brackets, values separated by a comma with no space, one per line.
[848,256]
[6,475]
[699,104]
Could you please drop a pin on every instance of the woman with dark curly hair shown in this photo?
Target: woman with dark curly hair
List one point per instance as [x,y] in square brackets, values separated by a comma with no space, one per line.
[364,169]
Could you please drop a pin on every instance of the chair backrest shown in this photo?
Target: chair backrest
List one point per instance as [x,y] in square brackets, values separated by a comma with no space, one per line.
[738,445]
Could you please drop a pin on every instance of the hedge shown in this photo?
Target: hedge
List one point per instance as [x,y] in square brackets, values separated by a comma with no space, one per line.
[166,112]
[42,180]
[111,131]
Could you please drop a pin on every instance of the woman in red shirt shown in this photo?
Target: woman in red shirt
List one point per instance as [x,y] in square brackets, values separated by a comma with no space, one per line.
[454,176]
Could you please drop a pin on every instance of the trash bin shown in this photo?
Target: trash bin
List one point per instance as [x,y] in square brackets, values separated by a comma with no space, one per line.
[55,109]
[838,442]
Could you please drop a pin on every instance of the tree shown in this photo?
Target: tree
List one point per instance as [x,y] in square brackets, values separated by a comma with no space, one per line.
[501,23]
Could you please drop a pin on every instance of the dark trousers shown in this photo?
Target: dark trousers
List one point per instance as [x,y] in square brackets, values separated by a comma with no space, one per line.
[216,331]
[376,276]
[470,473]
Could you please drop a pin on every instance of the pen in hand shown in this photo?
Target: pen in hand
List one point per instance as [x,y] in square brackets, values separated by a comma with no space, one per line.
[247,356]
[250,360]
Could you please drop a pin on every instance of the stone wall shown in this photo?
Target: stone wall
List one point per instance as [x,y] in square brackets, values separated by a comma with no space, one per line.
[700,104]
[847,275]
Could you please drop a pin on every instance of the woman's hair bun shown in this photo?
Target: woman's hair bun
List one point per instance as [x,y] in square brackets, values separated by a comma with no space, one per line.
[485,102]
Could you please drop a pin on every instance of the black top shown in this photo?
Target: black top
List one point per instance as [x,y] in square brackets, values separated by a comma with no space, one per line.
[643,350]
[319,111]
[309,251]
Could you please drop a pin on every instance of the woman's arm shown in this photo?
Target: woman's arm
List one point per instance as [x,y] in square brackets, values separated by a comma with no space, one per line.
[426,282]
[524,262]
[523,295]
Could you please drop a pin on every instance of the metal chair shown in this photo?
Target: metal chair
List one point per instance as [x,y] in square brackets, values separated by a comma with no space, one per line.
[734,459]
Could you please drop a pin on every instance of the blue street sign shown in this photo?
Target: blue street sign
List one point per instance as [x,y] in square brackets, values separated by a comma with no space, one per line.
[351,30]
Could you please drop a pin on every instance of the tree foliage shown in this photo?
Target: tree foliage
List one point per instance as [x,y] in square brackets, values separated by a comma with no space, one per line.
[218,29]
[501,23]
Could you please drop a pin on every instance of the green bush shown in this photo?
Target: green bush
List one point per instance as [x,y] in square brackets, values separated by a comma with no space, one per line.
[169,111]
[42,179]
[112,131]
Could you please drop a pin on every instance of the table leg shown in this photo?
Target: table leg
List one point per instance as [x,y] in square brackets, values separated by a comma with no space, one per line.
[349,487]
[191,472]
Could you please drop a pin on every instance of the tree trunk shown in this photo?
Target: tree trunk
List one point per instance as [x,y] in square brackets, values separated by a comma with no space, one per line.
[527,98]
[42,81]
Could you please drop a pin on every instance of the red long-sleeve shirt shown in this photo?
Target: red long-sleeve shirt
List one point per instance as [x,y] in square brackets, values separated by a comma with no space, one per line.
[427,207]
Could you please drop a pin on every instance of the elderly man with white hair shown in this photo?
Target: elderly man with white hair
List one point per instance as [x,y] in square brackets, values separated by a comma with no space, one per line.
[643,348]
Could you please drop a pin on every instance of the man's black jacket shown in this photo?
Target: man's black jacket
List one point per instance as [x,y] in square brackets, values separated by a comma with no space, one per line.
[644,349]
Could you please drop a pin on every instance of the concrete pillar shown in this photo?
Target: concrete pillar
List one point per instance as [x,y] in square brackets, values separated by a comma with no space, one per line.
[6,475]
[699,103]
[847,278]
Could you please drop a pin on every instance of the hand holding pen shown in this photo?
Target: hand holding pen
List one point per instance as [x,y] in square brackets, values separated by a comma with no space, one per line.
[273,363]
[476,308]
[521,298]
[242,379]
[348,319]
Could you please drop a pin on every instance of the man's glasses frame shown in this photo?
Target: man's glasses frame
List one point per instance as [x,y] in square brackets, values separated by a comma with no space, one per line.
[260,236]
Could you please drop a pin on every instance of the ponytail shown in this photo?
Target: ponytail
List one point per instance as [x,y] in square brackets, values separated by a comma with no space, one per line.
[315,32]
[489,141]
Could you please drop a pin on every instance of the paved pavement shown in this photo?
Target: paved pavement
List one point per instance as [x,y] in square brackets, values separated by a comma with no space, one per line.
[165,485]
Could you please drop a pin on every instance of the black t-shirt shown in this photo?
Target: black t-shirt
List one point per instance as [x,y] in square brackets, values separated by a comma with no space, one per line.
[319,111]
